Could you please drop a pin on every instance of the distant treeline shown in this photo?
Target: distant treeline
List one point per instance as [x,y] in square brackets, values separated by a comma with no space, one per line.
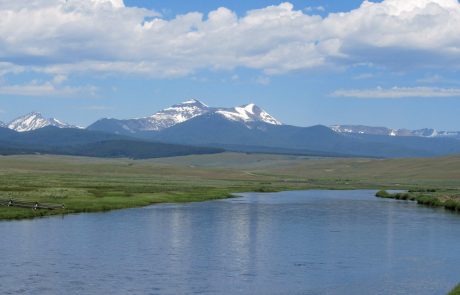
[51,140]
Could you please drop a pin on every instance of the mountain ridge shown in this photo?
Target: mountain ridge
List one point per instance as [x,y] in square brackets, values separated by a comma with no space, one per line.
[180,113]
[245,128]
[214,130]
[34,121]
[371,130]
[81,142]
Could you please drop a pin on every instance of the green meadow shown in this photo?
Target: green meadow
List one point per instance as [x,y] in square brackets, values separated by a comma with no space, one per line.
[93,184]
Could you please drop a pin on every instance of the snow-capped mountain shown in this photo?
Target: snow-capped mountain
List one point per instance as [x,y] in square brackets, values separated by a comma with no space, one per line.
[428,132]
[2,125]
[245,128]
[183,112]
[175,114]
[34,121]
[163,119]
[360,129]
[248,113]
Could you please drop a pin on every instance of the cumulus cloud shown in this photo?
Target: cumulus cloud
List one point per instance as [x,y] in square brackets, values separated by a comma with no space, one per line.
[60,37]
[399,92]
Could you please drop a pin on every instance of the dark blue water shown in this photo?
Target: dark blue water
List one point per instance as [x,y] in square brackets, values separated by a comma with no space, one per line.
[312,242]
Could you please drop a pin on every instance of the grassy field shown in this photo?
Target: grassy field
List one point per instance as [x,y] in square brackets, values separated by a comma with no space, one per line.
[91,184]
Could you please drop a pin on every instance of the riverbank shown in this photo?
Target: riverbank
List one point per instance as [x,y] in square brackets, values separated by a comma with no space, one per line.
[93,185]
[109,202]
[449,200]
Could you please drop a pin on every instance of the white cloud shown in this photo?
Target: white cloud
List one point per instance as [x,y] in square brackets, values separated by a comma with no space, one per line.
[114,3]
[47,88]
[60,37]
[59,79]
[10,68]
[399,92]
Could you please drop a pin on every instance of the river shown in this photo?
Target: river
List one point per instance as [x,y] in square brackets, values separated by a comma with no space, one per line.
[302,242]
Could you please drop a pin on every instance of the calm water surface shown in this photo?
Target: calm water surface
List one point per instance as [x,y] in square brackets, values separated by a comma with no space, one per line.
[312,242]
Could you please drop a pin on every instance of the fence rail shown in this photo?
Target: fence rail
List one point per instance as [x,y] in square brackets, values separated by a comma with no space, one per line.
[31,205]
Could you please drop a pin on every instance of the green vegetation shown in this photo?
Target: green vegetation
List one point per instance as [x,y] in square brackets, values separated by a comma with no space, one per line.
[455,291]
[93,184]
[450,202]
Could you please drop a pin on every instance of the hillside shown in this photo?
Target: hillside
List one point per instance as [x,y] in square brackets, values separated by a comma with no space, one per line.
[214,130]
[78,142]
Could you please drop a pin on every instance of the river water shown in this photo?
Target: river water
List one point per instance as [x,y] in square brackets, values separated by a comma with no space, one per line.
[303,242]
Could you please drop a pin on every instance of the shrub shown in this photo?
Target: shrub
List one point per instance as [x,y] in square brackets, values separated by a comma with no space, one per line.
[383,194]
[452,205]
[429,201]
[402,196]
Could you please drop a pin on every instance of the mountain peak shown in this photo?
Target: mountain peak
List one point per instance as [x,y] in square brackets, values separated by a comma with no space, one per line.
[250,108]
[173,115]
[248,113]
[193,101]
[35,120]
[181,112]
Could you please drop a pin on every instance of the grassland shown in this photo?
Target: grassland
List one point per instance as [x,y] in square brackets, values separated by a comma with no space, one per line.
[91,184]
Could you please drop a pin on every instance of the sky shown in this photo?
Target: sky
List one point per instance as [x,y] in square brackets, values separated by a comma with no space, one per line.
[391,63]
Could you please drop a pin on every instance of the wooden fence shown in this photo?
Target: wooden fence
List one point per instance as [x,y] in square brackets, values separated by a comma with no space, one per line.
[31,205]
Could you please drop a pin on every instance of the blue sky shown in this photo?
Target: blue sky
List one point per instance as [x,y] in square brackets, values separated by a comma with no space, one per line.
[383,63]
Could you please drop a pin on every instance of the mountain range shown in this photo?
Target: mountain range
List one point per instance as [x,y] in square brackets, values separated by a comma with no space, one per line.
[180,113]
[198,128]
[190,109]
[33,121]
[426,132]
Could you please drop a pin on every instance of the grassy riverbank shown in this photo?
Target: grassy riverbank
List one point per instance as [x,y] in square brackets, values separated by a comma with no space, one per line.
[449,200]
[91,185]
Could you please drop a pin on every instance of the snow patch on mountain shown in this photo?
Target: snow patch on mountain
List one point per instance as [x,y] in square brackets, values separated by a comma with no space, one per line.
[248,113]
[174,115]
[2,125]
[361,129]
[427,132]
[33,121]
